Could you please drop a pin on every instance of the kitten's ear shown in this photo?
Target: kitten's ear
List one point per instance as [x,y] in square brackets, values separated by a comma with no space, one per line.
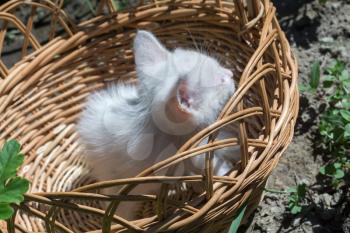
[148,50]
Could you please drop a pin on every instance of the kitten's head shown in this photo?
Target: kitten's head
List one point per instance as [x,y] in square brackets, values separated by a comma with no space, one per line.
[187,89]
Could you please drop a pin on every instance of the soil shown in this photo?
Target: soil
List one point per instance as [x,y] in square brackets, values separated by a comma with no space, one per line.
[316,32]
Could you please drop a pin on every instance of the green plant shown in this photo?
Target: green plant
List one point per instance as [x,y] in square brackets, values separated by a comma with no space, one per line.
[120,5]
[314,78]
[297,197]
[238,219]
[334,123]
[12,187]
[91,7]
[11,35]
[334,126]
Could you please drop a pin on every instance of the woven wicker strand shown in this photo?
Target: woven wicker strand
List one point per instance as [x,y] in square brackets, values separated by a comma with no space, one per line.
[42,94]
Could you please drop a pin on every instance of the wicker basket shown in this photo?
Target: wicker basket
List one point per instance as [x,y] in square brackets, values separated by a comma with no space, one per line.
[42,94]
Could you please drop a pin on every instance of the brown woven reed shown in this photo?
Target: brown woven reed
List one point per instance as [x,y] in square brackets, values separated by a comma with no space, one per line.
[42,94]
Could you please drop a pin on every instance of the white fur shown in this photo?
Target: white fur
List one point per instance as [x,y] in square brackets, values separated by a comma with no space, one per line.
[126,129]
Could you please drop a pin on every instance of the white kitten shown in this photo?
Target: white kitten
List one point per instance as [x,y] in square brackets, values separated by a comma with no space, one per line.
[126,129]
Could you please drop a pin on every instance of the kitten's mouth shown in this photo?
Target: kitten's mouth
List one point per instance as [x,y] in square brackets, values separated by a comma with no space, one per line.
[187,99]
[176,111]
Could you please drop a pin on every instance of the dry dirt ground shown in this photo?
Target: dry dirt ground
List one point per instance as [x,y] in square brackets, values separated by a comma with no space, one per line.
[321,32]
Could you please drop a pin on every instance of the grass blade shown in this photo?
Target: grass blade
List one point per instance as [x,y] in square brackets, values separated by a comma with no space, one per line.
[90,6]
[315,75]
[237,221]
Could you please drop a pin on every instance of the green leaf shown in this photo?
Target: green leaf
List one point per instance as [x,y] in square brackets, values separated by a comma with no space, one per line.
[12,187]
[333,170]
[292,189]
[332,118]
[336,67]
[345,114]
[10,160]
[346,83]
[345,103]
[119,5]
[237,221]
[344,76]
[296,209]
[90,6]
[347,130]
[301,190]
[14,190]
[293,199]
[328,170]
[328,81]
[6,211]
[315,75]
[304,88]
[323,170]
[291,204]
[339,174]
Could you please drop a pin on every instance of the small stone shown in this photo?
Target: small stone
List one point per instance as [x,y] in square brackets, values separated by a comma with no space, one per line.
[343,52]
[307,228]
[305,181]
[316,199]
[296,222]
[275,209]
[336,198]
[335,5]
[327,40]
[346,225]
[326,200]
[308,223]
[311,14]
